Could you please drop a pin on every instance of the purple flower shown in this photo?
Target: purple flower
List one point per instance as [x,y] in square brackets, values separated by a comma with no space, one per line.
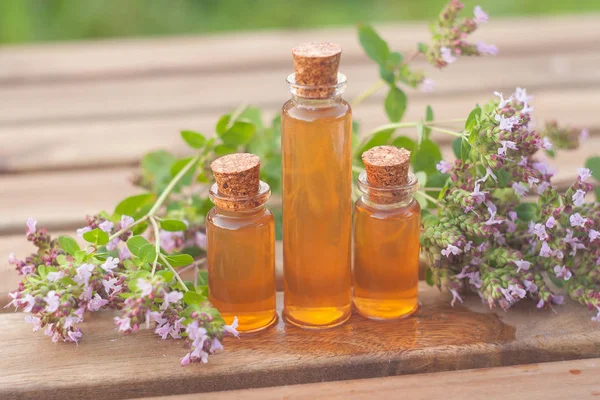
[545,251]
[71,321]
[215,345]
[123,324]
[113,244]
[530,286]
[520,188]
[517,291]
[427,85]
[503,102]
[111,287]
[83,230]
[110,264]
[532,181]
[506,124]
[37,323]
[512,215]
[15,300]
[593,234]
[155,316]
[168,240]
[573,242]
[550,222]
[584,174]
[451,249]
[444,167]
[499,238]
[447,55]
[480,15]
[106,226]
[491,207]
[12,259]
[522,265]
[126,221]
[201,240]
[96,303]
[584,135]
[54,276]
[31,225]
[597,317]
[542,187]
[74,336]
[52,301]
[477,195]
[84,273]
[546,144]
[455,296]
[506,144]
[540,303]
[145,286]
[476,260]
[558,254]
[521,95]
[579,198]
[124,253]
[232,329]
[540,231]
[171,297]
[562,272]
[523,162]
[577,220]
[487,49]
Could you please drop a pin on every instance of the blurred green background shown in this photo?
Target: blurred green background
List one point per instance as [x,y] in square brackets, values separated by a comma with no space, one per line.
[24,21]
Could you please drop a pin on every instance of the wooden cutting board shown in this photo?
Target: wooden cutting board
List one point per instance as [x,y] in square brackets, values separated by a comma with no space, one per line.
[107,365]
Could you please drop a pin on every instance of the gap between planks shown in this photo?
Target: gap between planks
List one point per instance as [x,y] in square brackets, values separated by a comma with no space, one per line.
[132,58]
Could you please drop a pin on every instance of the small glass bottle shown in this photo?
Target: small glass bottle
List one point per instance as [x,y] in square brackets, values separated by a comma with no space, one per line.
[387,222]
[241,244]
[316,149]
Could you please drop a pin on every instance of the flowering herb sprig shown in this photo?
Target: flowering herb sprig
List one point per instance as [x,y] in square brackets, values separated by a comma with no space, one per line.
[119,268]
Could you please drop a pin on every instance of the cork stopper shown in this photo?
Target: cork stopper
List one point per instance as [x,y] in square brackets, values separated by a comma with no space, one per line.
[237,182]
[387,167]
[316,65]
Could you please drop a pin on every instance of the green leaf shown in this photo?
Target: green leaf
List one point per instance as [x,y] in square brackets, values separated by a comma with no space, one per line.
[147,253]
[239,134]
[68,244]
[559,283]
[253,114]
[503,178]
[80,256]
[67,281]
[378,139]
[133,205]
[422,47]
[527,211]
[423,202]
[465,150]
[428,118]
[140,228]
[173,225]
[194,139]
[203,277]
[422,178]
[429,277]
[155,169]
[193,298]
[135,244]
[42,272]
[404,142]
[473,118]
[375,47]
[177,166]
[426,157]
[456,147]
[222,150]
[166,274]
[395,104]
[394,60]
[179,260]
[593,163]
[96,236]
[222,124]
[387,75]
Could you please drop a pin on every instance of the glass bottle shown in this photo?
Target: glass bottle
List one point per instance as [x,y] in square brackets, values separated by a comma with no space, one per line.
[240,234]
[387,222]
[316,147]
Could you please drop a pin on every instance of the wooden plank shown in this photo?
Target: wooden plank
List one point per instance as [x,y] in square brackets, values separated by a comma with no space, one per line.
[266,87]
[63,144]
[549,381]
[61,200]
[106,365]
[138,57]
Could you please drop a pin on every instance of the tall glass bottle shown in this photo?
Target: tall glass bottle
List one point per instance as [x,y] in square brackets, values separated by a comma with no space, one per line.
[241,244]
[387,224]
[316,146]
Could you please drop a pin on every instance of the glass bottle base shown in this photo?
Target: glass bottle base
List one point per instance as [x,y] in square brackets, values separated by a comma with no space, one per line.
[382,310]
[252,322]
[316,318]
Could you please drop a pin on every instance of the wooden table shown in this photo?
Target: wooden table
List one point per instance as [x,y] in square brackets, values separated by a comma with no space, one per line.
[75,119]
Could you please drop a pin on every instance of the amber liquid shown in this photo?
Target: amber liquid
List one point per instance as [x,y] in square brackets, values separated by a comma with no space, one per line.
[386,260]
[241,266]
[316,147]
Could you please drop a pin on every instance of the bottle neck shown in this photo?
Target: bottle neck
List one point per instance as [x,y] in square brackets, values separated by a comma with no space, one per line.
[317,96]
[316,103]
[389,197]
[374,202]
[242,213]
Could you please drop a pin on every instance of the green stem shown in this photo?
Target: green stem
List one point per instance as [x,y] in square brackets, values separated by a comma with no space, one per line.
[164,260]
[127,228]
[447,131]
[156,243]
[368,93]
[428,197]
[430,189]
[163,196]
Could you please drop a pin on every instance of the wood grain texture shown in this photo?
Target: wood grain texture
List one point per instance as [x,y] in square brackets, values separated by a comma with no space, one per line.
[106,365]
[127,58]
[578,379]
